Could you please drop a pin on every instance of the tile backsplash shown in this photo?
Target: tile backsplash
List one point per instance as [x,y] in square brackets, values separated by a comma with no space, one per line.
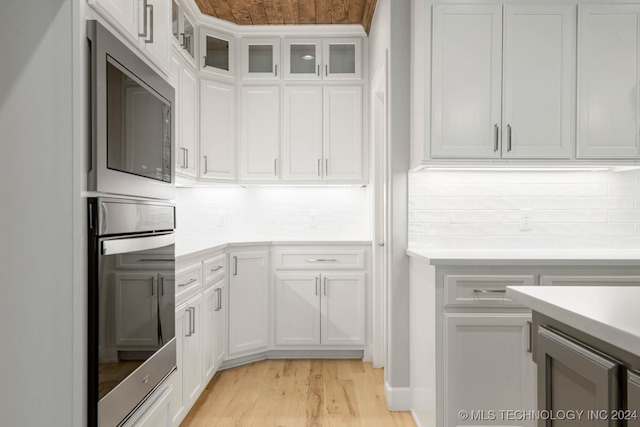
[218,214]
[482,209]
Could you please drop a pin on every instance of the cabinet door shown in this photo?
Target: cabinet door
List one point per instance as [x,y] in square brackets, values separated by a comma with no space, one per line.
[342,59]
[297,309]
[466,81]
[192,378]
[166,304]
[261,59]
[176,26]
[248,302]
[539,81]
[187,37]
[633,399]
[187,155]
[136,311]
[220,324]
[260,134]
[217,53]
[573,377]
[209,305]
[608,75]
[343,309]
[154,30]
[123,13]
[217,130]
[342,133]
[487,367]
[302,143]
[177,405]
[302,59]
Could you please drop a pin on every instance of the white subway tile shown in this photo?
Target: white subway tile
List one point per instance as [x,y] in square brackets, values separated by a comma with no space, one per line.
[624,216]
[607,229]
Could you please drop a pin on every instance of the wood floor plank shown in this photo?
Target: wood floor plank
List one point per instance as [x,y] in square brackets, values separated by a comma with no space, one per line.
[295,393]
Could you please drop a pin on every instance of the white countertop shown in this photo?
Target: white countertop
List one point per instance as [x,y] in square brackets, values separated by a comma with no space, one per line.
[608,313]
[524,256]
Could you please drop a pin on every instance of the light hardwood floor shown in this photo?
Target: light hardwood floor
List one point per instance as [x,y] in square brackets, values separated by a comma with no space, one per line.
[294,393]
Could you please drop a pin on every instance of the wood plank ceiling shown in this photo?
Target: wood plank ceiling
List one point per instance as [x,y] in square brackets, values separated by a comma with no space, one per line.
[278,12]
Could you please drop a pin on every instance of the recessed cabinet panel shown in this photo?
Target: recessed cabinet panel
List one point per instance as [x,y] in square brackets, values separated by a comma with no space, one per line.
[466,81]
[342,133]
[302,143]
[303,59]
[343,308]
[187,144]
[297,308]
[487,367]
[261,59]
[260,132]
[217,130]
[608,76]
[539,71]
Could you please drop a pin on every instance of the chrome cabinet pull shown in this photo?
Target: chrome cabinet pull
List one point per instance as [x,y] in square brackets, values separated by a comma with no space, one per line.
[317,283]
[153,282]
[318,70]
[322,260]
[276,70]
[275,167]
[235,265]
[155,260]
[508,137]
[180,285]
[319,167]
[161,285]
[326,70]
[188,334]
[204,61]
[326,167]
[530,341]
[150,7]
[496,136]
[213,270]
[489,291]
[193,320]
[219,299]
[325,287]
[183,42]
[145,23]
[185,160]
[206,169]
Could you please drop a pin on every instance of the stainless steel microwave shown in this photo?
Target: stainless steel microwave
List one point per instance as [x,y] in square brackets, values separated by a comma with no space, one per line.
[132,122]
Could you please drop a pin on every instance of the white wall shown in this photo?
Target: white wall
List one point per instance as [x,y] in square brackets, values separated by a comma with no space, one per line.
[40,199]
[210,215]
[582,210]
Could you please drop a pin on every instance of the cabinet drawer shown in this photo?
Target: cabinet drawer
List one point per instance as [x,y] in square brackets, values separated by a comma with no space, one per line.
[589,280]
[188,282]
[479,290]
[320,259]
[214,268]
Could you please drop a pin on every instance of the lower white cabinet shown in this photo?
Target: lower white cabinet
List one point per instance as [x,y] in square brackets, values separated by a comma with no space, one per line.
[188,329]
[248,302]
[220,324]
[488,367]
[209,305]
[297,309]
[343,308]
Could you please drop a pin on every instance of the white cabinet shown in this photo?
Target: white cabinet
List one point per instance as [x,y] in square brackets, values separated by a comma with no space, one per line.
[248,302]
[220,324]
[323,59]
[209,306]
[487,366]
[136,316]
[297,309]
[261,58]
[343,309]
[183,30]
[122,13]
[608,76]
[495,101]
[185,82]
[190,315]
[217,130]
[217,53]
[260,133]
[153,29]
[322,136]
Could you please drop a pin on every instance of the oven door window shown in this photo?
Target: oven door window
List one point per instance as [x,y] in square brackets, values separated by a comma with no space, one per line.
[136,311]
[138,126]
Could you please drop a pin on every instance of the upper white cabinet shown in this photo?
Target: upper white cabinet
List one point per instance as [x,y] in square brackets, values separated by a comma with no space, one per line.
[498,94]
[261,58]
[323,59]
[183,30]
[342,133]
[260,132]
[217,53]
[217,130]
[185,81]
[608,76]
[122,13]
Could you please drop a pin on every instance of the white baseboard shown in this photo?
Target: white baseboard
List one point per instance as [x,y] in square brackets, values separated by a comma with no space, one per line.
[423,419]
[398,398]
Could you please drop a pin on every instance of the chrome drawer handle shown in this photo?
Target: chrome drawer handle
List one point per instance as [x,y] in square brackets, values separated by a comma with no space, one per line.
[213,270]
[322,260]
[156,260]
[188,283]
[489,291]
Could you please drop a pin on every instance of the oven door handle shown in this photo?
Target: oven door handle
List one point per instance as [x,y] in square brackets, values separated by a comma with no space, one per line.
[134,244]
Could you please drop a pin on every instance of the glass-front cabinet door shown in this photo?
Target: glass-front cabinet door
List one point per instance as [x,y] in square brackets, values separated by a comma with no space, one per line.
[342,59]
[303,59]
[261,59]
[188,37]
[175,20]
[217,53]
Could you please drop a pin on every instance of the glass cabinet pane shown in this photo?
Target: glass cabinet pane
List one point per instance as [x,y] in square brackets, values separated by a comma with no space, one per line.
[175,20]
[217,54]
[342,59]
[189,34]
[303,59]
[260,58]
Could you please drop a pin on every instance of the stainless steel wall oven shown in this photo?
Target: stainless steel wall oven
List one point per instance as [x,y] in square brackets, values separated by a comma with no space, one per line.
[132,346]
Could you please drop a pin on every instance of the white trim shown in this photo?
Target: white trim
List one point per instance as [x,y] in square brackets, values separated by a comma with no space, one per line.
[421,421]
[398,398]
